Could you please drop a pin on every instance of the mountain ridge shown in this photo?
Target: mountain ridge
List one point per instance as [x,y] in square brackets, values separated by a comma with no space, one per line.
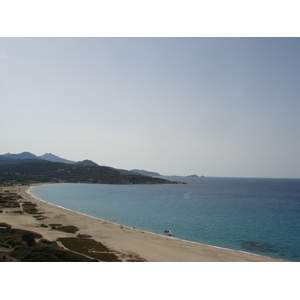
[14,158]
[54,158]
[146,173]
[55,172]
[9,158]
[23,155]
[27,167]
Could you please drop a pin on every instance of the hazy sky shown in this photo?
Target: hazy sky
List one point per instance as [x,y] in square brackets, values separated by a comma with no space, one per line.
[211,106]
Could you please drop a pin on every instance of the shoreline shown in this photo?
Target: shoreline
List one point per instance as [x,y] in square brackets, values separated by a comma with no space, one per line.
[124,240]
[144,231]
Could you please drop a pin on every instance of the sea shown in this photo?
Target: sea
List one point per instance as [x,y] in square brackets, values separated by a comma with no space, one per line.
[256,215]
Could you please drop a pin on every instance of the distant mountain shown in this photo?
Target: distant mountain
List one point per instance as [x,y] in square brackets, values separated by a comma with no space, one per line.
[54,158]
[133,176]
[9,158]
[30,160]
[6,158]
[23,155]
[125,172]
[8,161]
[85,162]
[146,173]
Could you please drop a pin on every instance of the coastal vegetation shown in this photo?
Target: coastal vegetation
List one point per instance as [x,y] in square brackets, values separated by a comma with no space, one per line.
[21,245]
[69,228]
[89,247]
[12,238]
[29,207]
[9,201]
[47,253]
[28,246]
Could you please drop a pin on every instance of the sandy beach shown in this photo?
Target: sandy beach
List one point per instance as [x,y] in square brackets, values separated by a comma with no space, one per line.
[127,242]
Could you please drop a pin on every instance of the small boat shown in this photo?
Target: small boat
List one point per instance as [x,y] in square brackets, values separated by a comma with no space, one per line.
[168,231]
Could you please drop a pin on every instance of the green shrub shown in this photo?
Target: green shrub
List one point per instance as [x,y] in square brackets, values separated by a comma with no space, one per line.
[30,208]
[7,226]
[28,237]
[46,253]
[89,247]
[69,228]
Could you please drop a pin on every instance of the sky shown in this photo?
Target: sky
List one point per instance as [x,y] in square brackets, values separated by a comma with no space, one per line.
[177,106]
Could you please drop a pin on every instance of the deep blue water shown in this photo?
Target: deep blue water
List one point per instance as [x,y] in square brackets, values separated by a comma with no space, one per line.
[255,215]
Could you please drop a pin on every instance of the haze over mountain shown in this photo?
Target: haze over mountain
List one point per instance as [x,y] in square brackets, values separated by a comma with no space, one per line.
[9,158]
[54,158]
[28,167]
[86,162]
[23,155]
[147,173]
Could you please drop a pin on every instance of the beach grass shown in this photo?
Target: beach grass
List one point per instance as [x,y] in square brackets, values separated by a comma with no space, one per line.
[21,245]
[30,208]
[90,248]
[47,253]
[9,200]
[68,228]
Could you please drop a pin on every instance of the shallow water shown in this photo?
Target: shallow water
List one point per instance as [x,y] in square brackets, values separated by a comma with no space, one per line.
[249,214]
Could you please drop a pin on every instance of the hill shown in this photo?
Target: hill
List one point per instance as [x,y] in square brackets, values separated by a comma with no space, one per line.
[8,158]
[60,172]
[23,155]
[27,167]
[54,158]
[5,160]
[147,173]
[86,162]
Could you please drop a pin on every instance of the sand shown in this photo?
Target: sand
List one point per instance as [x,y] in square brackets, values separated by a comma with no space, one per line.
[126,241]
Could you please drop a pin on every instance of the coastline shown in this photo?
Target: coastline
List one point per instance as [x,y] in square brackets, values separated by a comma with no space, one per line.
[124,240]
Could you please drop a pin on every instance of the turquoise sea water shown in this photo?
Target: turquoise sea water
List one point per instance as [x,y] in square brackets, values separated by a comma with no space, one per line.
[260,216]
